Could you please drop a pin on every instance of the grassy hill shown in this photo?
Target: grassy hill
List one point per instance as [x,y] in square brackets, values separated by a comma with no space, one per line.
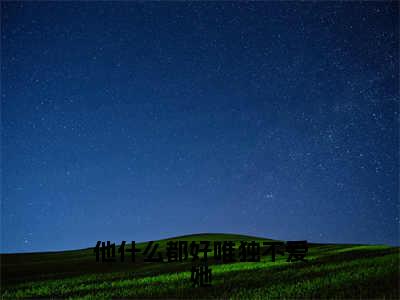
[332,271]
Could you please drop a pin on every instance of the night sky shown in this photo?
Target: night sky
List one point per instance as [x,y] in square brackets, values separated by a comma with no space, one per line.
[139,121]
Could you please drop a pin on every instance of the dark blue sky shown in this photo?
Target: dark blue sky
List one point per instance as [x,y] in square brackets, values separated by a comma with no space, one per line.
[138,121]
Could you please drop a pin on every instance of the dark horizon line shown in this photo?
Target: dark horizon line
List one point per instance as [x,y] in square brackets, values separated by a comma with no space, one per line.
[194,234]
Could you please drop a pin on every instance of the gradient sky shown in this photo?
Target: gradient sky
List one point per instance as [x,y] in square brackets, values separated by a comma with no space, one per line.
[139,121]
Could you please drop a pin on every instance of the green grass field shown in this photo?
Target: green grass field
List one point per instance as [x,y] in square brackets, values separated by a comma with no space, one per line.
[332,271]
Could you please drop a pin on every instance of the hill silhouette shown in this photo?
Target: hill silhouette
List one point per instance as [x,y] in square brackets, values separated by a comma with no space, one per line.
[332,270]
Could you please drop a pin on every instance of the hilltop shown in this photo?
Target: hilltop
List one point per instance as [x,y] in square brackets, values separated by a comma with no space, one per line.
[332,270]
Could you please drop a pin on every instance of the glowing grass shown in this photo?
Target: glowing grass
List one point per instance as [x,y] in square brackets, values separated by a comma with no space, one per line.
[332,271]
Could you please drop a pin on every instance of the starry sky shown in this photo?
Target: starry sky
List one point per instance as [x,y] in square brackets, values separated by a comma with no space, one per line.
[139,121]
